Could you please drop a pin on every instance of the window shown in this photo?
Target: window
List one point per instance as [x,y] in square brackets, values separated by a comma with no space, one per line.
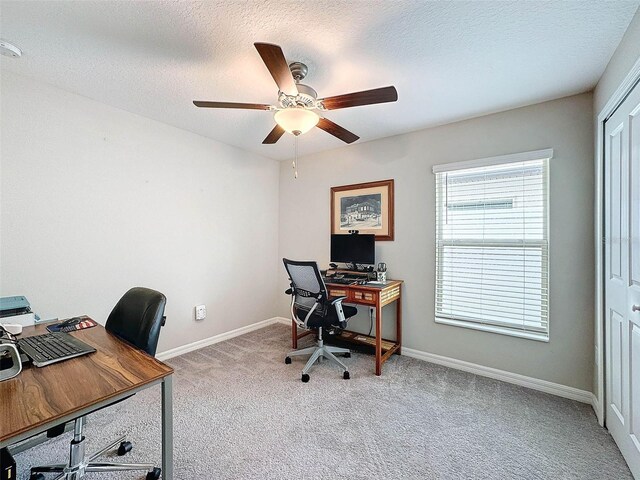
[492,247]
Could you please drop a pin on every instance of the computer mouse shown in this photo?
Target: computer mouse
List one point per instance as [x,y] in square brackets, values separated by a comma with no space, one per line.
[71,322]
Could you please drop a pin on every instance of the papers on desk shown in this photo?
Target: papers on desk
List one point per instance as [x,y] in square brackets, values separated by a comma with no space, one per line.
[375,283]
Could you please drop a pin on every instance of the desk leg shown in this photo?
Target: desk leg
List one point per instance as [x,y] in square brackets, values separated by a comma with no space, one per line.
[399,324]
[378,338]
[167,428]
[294,335]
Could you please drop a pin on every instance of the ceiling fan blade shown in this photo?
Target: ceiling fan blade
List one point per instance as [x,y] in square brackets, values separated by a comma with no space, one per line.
[337,131]
[273,58]
[248,106]
[366,97]
[274,135]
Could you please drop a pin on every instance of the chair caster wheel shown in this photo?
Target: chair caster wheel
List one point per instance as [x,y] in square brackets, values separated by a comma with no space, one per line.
[287,360]
[153,474]
[305,378]
[124,448]
[346,375]
[347,355]
[36,476]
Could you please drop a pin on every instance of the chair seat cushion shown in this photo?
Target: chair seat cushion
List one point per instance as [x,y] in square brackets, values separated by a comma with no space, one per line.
[349,311]
[331,320]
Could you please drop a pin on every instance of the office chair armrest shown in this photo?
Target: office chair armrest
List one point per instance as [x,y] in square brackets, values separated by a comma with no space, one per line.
[334,300]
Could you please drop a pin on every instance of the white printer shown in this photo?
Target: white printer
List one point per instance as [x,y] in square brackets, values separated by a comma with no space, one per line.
[17,311]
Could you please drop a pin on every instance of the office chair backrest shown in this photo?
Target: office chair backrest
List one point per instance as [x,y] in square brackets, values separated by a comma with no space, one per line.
[308,284]
[137,318]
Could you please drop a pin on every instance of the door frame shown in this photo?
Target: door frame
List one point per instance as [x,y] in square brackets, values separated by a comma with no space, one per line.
[631,80]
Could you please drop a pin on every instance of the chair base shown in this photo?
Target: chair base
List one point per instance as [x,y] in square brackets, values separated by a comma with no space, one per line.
[79,465]
[317,353]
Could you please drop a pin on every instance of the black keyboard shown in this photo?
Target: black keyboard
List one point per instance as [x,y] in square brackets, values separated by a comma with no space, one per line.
[343,281]
[50,348]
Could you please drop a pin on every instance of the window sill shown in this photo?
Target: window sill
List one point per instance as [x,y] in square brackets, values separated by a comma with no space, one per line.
[539,337]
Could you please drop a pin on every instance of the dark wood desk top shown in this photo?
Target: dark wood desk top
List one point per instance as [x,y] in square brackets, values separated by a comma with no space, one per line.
[41,395]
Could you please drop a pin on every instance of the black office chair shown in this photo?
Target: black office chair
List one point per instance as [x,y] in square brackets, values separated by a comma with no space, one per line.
[311,308]
[137,319]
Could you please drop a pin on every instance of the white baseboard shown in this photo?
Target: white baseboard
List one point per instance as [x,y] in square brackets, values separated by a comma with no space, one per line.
[509,377]
[282,320]
[190,347]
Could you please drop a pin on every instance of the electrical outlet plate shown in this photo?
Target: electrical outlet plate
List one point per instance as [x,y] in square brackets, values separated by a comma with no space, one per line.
[201,312]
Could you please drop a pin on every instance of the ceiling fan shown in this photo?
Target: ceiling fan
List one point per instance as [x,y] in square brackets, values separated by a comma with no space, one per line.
[298,104]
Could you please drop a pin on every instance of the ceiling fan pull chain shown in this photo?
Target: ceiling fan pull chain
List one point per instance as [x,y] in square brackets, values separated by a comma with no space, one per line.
[295,157]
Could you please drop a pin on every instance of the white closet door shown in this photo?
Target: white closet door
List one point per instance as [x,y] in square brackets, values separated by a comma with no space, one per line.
[622,278]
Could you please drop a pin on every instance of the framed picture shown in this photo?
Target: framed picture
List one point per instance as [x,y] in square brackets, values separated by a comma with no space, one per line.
[366,207]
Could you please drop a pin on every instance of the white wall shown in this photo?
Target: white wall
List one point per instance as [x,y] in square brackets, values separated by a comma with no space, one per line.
[95,200]
[566,125]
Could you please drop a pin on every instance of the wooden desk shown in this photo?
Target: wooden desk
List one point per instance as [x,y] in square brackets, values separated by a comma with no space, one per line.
[41,398]
[371,296]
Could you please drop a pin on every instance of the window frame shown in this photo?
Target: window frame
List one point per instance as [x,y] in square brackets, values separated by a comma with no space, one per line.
[532,333]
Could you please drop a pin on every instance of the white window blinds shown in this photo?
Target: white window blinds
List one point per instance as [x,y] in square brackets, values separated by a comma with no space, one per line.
[492,244]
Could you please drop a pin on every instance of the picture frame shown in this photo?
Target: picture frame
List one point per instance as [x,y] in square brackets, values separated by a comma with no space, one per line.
[366,207]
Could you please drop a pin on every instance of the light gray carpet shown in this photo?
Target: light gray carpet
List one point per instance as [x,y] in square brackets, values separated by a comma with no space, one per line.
[241,413]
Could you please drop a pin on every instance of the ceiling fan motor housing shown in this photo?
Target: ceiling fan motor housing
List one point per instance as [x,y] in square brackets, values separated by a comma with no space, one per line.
[298,70]
[306,97]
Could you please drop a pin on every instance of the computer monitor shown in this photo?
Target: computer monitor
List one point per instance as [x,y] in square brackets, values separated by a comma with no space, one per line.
[353,248]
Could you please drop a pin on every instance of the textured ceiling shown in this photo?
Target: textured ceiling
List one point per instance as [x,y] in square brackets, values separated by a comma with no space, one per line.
[448,60]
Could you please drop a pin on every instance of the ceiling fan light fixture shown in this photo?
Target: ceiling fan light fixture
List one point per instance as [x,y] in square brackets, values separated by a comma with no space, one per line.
[296,119]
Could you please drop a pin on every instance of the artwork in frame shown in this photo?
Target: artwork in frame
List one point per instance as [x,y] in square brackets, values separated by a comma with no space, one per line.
[366,207]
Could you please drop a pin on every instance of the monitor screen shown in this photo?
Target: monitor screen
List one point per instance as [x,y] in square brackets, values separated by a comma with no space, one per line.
[358,248]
